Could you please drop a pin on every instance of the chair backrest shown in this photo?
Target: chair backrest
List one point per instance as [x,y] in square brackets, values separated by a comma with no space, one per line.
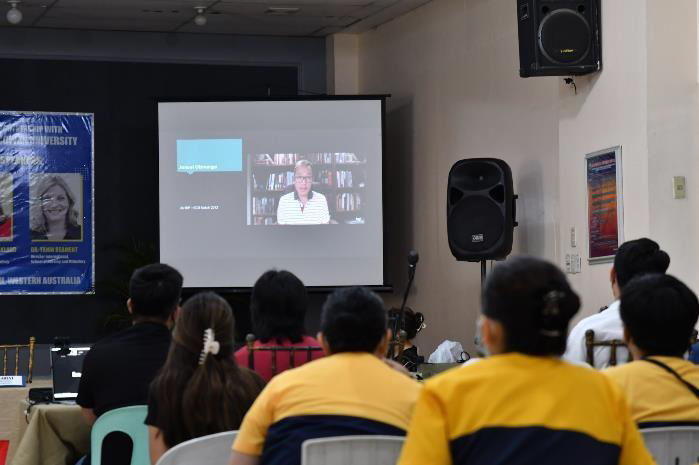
[214,448]
[673,445]
[613,344]
[16,348]
[352,450]
[128,420]
[291,350]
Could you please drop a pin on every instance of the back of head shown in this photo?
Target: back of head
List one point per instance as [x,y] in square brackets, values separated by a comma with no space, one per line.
[198,391]
[155,290]
[353,320]
[278,307]
[533,301]
[413,321]
[659,313]
[637,257]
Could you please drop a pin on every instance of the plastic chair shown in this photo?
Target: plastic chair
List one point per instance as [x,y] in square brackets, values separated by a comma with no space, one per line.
[673,445]
[128,420]
[352,450]
[214,448]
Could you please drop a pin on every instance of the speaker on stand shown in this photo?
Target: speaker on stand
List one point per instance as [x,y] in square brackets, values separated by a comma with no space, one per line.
[481,210]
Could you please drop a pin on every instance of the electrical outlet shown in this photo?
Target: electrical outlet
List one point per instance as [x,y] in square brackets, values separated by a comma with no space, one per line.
[575,263]
[573,237]
[678,187]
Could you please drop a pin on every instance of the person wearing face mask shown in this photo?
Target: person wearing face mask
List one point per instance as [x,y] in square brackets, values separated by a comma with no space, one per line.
[522,404]
[54,214]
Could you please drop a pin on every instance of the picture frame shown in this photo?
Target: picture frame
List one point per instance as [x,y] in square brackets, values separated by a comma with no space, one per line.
[605,207]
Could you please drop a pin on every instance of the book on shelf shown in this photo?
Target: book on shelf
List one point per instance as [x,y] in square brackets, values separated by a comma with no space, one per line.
[348,201]
[346,158]
[281,159]
[264,205]
[264,220]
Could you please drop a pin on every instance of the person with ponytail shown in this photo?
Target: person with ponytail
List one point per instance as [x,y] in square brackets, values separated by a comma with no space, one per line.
[413,323]
[634,258]
[522,404]
[200,389]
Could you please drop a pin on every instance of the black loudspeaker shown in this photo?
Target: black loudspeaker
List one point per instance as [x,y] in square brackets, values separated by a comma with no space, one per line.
[480,209]
[559,37]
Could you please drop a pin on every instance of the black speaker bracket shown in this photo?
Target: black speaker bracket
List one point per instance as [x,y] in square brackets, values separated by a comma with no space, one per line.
[571,82]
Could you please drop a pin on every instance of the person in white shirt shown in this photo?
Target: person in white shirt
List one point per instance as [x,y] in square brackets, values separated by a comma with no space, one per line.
[633,258]
[303,205]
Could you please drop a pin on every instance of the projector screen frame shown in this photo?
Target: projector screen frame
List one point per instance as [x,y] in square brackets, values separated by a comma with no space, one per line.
[387,286]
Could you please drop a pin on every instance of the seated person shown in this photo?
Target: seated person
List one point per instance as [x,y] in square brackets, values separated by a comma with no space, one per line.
[634,258]
[303,205]
[119,368]
[413,323]
[522,404]
[350,391]
[278,310]
[200,390]
[659,313]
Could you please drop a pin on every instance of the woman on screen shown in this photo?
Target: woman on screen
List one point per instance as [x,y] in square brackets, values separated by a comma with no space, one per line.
[303,205]
[54,216]
[5,224]
[200,390]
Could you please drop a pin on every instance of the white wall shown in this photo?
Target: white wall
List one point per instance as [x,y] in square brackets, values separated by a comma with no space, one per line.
[609,109]
[452,69]
[672,133]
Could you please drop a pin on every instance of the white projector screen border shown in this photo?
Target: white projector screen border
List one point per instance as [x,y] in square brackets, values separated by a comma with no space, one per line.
[355,264]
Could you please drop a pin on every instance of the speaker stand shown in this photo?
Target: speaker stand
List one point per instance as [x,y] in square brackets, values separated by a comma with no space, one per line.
[483,266]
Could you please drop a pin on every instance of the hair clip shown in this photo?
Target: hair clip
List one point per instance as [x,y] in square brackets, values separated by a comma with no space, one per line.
[211,345]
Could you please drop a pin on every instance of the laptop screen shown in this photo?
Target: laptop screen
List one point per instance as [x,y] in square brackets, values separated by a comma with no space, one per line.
[66,369]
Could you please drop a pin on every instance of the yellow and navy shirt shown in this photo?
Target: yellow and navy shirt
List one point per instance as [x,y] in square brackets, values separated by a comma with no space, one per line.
[343,394]
[516,409]
[655,396]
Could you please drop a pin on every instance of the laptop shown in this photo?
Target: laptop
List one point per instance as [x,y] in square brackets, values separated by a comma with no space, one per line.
[66,370]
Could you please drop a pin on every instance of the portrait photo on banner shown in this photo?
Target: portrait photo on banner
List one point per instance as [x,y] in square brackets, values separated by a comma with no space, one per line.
[6,207]
[55,207]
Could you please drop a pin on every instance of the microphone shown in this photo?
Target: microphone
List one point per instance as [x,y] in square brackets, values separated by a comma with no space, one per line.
[413,258]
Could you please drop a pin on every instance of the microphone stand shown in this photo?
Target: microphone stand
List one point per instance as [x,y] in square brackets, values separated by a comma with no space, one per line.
[399,334]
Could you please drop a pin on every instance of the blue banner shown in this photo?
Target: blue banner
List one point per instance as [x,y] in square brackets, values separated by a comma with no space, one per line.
[46,203]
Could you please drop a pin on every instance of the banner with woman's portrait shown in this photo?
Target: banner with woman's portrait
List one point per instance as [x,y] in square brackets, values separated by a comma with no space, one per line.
[46,203]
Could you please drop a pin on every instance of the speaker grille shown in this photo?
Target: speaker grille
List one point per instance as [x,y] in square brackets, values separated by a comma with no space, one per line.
[476,176]
[565,37]
[479,222]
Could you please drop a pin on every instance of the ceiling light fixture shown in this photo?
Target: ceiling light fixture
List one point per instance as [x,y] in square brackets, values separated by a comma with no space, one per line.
[14,16]
[200,19]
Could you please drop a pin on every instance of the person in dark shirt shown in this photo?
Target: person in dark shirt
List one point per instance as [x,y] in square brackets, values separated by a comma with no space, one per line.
[119,368]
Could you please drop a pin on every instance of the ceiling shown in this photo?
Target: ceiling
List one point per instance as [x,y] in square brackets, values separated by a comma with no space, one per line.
[314,18]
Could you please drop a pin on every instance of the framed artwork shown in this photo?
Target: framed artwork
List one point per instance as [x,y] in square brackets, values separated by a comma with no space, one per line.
[605,212]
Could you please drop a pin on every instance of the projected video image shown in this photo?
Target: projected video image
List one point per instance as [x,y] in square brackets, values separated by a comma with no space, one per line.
[306,189]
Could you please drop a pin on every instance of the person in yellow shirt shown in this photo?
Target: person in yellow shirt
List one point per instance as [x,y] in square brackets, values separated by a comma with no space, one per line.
[350,391]
[659,313]
[522,404]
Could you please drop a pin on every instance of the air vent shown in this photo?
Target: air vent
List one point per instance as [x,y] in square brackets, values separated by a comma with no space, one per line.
[282,10]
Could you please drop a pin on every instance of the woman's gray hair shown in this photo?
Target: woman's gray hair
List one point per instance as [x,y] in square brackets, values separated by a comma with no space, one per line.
[37,221]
